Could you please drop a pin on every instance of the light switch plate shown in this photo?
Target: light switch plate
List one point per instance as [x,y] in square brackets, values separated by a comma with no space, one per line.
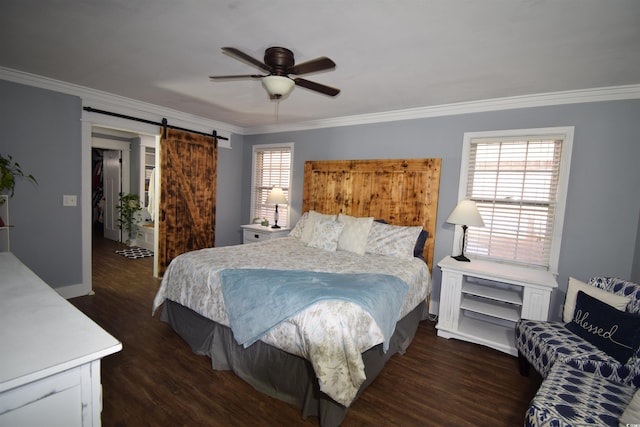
[69,200]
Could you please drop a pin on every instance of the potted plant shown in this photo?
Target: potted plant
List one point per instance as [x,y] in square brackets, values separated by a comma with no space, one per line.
[128,207]
[9,171]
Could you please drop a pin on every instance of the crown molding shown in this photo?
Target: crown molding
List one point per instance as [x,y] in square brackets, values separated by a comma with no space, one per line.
[613,93]
[104,100]
[108,101]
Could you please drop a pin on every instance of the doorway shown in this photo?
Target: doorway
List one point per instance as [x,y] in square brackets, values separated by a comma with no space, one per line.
[118,168]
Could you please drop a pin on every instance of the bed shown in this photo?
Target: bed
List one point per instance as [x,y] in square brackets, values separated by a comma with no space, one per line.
[322,354]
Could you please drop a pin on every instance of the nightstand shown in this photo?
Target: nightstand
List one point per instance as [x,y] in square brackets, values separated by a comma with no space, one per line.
[252,233]
[481,301]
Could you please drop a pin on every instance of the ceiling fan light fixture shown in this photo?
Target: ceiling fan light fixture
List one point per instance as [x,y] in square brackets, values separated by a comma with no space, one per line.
[278,86]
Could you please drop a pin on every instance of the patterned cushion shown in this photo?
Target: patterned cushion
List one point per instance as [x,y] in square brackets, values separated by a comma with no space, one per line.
[310,222]
[326,234]
[545,343]
[297,230]
[620,287]
[570,397]
[615,332]
[618,301]
[392,240]
[355,233]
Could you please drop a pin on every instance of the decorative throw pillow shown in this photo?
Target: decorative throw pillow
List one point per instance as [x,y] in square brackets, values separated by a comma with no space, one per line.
[615,332]
[631,414]
[326,234]
[297,230]
[392,240]
[355,234]
[309,226]
[618,301]
[418,249]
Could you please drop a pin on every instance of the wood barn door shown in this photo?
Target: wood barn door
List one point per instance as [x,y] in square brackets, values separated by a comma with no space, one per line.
[187,209]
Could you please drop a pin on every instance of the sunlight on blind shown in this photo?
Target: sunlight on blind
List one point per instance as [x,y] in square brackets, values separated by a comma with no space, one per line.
[514,183]
[272,169]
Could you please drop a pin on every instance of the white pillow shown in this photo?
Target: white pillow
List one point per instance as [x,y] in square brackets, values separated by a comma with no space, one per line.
[309,226]
[326,234]
[297,230]
[617,301]
[392,240]
[631,414]
[355,234]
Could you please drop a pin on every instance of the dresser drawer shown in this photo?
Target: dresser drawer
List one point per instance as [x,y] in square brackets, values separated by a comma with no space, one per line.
[251,236]
[256,233]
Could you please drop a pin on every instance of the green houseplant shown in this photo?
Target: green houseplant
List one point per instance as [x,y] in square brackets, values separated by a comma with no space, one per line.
[9,171]
[128,207]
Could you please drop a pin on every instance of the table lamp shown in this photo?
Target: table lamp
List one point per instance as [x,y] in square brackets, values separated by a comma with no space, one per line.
[465,214]
[275,197]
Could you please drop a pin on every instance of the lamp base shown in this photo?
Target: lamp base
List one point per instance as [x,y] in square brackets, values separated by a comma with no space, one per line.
[275,226]
[461,257]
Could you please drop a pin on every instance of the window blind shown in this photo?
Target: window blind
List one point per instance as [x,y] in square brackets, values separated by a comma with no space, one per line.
[272,168]
[514,182]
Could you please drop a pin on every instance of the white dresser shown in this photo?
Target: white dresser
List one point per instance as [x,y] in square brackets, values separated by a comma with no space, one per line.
[252,233]
[49,354]
[481,301]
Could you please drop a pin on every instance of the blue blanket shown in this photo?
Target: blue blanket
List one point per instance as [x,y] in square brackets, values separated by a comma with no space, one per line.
[256,300]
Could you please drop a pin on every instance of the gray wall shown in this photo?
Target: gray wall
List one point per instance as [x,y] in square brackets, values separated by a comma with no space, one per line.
[229,213]
[42,131]
[603,202]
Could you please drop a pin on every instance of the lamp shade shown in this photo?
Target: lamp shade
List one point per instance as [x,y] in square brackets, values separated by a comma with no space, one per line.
[276,196]
[278,86]
[466,213]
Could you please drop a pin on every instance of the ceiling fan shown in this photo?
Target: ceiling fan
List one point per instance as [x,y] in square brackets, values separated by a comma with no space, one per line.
[279,63]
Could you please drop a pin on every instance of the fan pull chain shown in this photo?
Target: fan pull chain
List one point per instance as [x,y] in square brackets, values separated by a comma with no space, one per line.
[277,109]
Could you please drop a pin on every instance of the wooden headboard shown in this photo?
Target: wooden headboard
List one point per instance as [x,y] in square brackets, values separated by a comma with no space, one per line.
[401,191]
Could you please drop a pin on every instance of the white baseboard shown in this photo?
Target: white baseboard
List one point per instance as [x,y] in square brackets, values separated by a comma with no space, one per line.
[72,291]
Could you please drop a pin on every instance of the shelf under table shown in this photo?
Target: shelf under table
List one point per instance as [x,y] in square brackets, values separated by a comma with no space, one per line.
[490,308]
[498,294]
[499,337]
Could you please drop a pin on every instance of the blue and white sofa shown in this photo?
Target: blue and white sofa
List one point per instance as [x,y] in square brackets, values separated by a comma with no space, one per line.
[590,362]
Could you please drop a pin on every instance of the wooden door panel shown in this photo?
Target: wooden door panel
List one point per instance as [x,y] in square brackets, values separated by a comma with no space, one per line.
[188,164]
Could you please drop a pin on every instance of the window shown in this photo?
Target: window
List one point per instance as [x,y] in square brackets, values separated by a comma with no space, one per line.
[518,180]
[272,166]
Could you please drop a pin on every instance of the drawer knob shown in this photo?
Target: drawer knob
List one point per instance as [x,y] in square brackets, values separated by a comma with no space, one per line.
[257,236]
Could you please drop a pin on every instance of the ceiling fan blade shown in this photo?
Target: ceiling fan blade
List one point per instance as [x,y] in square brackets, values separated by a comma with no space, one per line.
[327,90]
[239,76]
[232,51]
[318,64]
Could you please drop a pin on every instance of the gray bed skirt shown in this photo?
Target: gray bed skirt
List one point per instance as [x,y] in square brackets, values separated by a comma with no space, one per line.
[277,373]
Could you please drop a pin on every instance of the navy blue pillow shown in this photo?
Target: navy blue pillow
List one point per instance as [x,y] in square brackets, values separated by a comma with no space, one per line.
[418,250]
[615,332]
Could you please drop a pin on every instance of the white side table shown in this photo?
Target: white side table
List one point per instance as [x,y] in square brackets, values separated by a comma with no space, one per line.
[481,301]
[252,233]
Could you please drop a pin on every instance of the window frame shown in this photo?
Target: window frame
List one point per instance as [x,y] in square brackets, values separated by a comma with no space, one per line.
[567,133]
[272,147]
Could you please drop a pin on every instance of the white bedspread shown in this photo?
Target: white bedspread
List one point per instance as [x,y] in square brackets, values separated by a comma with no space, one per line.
[330,334]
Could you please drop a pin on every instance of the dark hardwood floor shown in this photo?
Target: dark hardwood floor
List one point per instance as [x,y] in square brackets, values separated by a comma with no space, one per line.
[156,380]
